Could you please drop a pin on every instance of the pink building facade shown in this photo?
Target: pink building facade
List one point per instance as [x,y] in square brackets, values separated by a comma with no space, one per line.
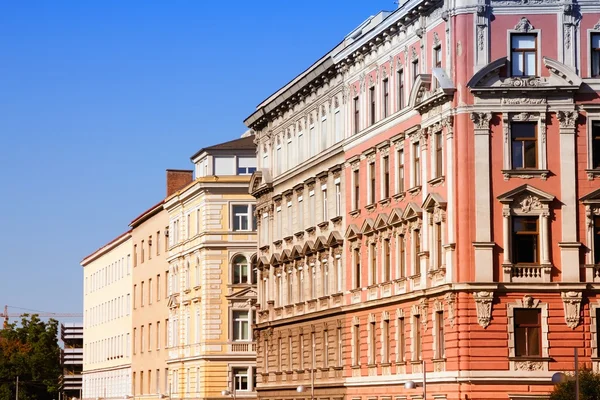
[471,181]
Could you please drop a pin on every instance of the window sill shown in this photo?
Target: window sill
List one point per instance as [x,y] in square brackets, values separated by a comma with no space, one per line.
[413,191]
[197,287]
[371,207]
[539,359]
[337,219]
[385,202]
[356,366]
[437,181]
[323,224]
[525,173]
[593,173]
[355,213]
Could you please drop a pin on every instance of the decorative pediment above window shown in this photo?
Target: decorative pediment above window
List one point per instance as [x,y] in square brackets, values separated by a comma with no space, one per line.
[245,298]
[321,243]
[592,207]
[395,217]
[173,301]
[432,201]
[562,78]
[285,256]
[262,262]
[526,199]
[367,227]
[353,232]
[275,259]
[335,239]
[296,252]
[261,182]
[412,211]
[308,248]
[425,96]
[381,221]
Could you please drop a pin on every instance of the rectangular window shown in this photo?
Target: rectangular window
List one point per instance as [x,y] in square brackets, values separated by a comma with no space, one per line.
[150,291]
[356,345]
[300,215]
[437,57]
[135,255]
[438,155]
[149,337]
[417,246]
[528,337]
[224,165]
[400,171]
[438,244]
[323,133]
[142,340]
[142,252]
[311,207]
[134,297]
[372,183]
[417,338]
[325,278]
[301,345]
[401,243]
[279,225]
[356,183]
[523,55]
[372,115]
[340,345]
[325,349]
[339,274]
[595,144]
[386,98]
[157,335]
[387,262]
[167,288]
[300,147]
[386,177]
[400,340]
[150,248]
[415,70]
[337,120]
[142,294]
[290,219]
[417,164]
[525,240]
[289,154]
[385,338]
[357,270]
[314,141]
[324,205]
[400,79]
[290,287]
[595,54]
[338,199]
[246,165]
[243,219]
[241,379]
[524,145]
[356,107]
[241,325]
[278,160]
[373,264]
[596,234]
[158,243]
[372,343]
[440,345]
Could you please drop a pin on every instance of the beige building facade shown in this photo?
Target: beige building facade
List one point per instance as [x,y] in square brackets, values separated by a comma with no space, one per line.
[107,320]
[212,242]
[150,312]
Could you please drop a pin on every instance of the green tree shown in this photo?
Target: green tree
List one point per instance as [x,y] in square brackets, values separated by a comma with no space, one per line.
[30,351]
[589,387]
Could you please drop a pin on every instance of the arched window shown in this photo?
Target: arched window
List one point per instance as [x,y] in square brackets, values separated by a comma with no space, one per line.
[240,270]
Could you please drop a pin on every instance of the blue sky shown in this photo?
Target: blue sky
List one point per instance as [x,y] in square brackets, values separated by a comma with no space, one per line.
[98,98]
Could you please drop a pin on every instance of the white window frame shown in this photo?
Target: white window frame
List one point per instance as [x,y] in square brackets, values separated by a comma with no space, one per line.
[247,214]
[300,215]
[324,139]
[539,118]
[240,321]
[538,61]
[234,266]
[527,302]
[324,204]
[338,197]
[338,125]
[300,147]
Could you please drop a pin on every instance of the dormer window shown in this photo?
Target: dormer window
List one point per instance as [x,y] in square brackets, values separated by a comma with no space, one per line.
[524,55]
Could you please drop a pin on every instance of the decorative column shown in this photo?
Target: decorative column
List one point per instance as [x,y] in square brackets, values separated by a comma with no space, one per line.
[506,260]
[484,247]
[545,238]
[569,246]
[450,222]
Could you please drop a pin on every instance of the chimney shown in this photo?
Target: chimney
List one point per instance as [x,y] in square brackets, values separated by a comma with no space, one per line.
[178,179]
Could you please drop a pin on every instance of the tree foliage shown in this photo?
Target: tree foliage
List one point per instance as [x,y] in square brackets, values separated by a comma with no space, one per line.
[589,387]
[30,351]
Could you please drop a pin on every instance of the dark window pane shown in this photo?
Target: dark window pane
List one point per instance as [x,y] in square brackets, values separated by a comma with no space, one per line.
[597,241]
[517,154]
[523,130]
[530,154]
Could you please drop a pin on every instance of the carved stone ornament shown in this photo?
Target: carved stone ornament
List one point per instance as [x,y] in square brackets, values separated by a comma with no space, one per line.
[529,203]
[483,304]
[423,307]
[567,119]
[420,32]
[567,34]
[516,81]
[481,10]
[524,25]
[481,119]
[363,80]
[529,366]
[529,302]
[481,36]
[572,306]
[597,26]
[413,53]
[450,299]
[436,39]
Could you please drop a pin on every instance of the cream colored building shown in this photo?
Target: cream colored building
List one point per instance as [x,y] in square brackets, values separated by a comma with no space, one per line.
[107,320]
[212,241]
[150,312]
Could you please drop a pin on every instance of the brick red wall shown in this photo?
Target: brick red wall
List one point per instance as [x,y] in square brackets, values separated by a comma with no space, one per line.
[177,179]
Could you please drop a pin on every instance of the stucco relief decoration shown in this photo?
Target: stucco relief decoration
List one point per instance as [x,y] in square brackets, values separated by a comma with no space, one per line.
[414,310]
[355,320]
[413,53]
[590,212]
[438,215]
[436,39]
[481,36]
[481,120]
[572,306]
[516,81]
[524,25]
[529,366]
[523,100]
[450,299]
[483,304]
[423,307]
[405,56]
[529,203]
[597,26]
[567,34]
[362,80]
[529,302]
[567,119]
[399,313]
[384,71]
[481,10]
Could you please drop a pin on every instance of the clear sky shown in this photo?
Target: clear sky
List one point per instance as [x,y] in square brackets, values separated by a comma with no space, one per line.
[98,98]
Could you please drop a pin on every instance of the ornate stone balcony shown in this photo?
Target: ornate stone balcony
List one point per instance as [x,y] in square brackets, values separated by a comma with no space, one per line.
[526,273]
